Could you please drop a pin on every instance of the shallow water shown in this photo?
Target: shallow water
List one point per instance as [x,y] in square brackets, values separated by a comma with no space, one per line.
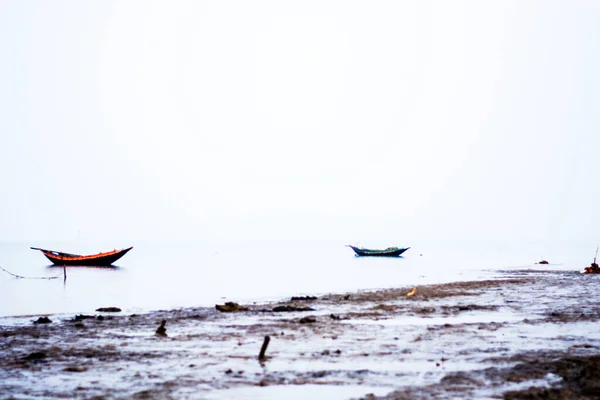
[172,275]
[331,392]
[466,318]
[462,353]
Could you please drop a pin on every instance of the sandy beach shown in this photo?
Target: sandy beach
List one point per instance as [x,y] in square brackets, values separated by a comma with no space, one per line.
[526,334]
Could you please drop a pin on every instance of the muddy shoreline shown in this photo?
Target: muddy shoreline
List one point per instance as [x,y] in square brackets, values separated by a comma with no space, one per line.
[526,334]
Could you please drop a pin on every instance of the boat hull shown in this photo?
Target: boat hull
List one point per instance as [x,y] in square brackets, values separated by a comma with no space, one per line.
[391,252]
[100,259]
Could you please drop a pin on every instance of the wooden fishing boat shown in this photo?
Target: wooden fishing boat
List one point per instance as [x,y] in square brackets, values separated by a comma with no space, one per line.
[389,252]
[100,259]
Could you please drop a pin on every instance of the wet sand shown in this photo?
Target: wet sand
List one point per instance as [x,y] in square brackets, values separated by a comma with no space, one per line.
[527,334]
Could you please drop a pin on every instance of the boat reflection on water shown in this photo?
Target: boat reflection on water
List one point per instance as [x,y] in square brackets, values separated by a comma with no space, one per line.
[90,267]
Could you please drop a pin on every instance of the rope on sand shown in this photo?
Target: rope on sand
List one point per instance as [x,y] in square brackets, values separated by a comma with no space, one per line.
[28,277]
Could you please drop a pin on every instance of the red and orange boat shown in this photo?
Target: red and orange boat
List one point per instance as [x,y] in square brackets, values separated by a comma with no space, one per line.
[100,259]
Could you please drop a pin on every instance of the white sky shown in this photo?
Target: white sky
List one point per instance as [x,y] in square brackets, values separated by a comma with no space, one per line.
[350,120]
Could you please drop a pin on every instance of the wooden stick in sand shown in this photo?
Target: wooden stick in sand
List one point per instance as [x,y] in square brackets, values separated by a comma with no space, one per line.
[263,349]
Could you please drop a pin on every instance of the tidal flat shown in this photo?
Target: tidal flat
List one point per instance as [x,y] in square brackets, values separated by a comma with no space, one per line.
[524,334]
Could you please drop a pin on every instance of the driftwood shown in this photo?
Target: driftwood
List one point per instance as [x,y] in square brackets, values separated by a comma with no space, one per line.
[263,349]
[108,309]
[303,298]
[230,306]
[287,308]
[162,330]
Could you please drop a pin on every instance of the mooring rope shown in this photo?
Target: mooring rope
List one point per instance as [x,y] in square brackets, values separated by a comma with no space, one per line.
[30,277]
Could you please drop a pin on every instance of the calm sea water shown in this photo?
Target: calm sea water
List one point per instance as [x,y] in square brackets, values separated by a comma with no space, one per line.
[155,276]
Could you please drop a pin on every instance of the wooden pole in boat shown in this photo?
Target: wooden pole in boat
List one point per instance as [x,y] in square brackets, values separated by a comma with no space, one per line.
[596,255]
